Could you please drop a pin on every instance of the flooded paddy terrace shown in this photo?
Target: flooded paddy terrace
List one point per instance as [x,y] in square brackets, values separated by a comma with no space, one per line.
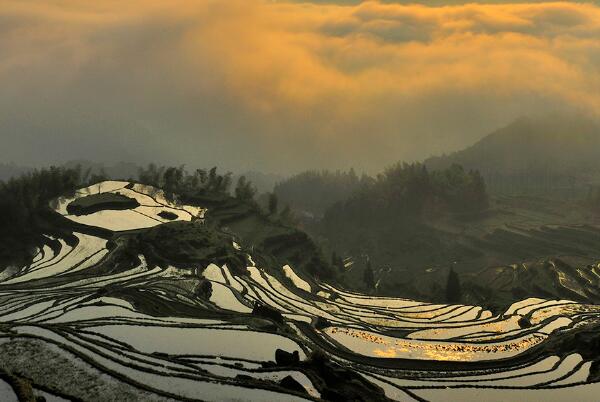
[144,332]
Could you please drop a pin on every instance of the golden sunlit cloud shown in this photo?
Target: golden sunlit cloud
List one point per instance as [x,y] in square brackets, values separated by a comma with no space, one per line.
[327,85]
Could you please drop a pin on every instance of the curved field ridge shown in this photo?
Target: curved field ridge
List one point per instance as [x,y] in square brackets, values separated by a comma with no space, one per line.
[145,332]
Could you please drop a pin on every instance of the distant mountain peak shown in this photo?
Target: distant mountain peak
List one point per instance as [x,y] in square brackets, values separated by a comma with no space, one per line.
[556,142]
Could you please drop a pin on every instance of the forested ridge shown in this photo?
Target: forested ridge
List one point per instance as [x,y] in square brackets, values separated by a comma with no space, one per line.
[313,191]
[411,191]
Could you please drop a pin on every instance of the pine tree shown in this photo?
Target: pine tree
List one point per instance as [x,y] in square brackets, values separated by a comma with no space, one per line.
[287,216]
[273,203]
[244,190]
[453,290]
[369,276]
[337,261]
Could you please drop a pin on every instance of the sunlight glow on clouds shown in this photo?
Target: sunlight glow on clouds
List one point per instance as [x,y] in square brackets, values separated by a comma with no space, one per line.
[282,86]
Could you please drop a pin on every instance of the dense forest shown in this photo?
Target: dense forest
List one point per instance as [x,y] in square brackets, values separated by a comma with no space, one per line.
[314,191]
[411,192]
[22,198]
[392,219]
[178,181]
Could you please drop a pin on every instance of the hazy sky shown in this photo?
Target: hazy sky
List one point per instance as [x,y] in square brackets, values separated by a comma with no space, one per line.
[282,86]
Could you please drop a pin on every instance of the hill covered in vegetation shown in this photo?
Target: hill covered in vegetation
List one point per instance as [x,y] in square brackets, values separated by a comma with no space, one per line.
[555,155]
[28,218]
[401,232]
[314,191]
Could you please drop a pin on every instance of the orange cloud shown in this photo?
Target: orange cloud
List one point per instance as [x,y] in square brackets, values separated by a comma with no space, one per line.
[341,85]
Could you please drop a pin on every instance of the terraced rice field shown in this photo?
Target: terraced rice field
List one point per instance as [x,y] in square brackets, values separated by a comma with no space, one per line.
[144,333]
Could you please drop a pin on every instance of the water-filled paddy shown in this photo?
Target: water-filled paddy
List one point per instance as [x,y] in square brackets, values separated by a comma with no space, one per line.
[150,327]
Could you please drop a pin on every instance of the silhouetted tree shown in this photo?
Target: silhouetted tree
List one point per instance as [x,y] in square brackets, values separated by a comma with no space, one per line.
[369,276]
[176,180]
[244,190]
[337,261]
[273,201]
[172,181]
[287,216]
[314,191]
[453,290]
[152,175]
[95,177]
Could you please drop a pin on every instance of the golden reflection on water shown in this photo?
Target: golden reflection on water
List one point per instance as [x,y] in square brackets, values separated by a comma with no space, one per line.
[389,347]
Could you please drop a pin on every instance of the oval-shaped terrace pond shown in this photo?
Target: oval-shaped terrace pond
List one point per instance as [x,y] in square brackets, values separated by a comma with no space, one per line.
[121,206]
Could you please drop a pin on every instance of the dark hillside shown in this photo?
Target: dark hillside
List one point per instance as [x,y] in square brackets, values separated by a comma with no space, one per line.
[556,154]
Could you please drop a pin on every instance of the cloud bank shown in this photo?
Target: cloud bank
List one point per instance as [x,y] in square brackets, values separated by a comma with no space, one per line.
[282,86]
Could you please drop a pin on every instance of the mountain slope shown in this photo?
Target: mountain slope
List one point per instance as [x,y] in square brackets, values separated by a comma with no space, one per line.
[533,153]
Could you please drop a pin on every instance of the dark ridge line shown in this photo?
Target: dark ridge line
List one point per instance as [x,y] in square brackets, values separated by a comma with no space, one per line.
[40,251]
[491,372]
[507,387]
[24,305]
[127,354]
[164,205]
[276,299]
[62,221]
[38,268]
[234,359]
[493,319]
[105,339]
[80,263]
[28,268]
[104,355]
[145,322]
[34,315]
[278,296]
[147,216]
[569,374]
[397,387]
[541,385]
[427,320]
[415,396]
[276,293]
[174,360]
[237,296]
